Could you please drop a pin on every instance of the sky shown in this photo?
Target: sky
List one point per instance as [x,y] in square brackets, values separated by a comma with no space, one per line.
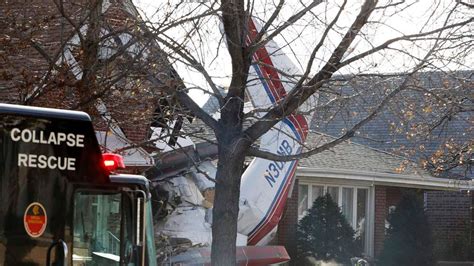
[208,47]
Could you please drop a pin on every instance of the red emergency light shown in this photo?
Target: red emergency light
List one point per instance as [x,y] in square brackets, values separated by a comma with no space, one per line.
[113,162]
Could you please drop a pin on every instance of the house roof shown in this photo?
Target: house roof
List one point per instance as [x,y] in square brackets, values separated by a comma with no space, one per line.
[370,155]
[352,156]
[198,131]
[351,162]
[354,163]
[396,129]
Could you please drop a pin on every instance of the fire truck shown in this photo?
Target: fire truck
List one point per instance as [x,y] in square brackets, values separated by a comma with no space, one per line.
[63,204]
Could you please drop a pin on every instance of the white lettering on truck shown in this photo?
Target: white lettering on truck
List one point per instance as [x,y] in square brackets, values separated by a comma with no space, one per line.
[54,138]
[43,161]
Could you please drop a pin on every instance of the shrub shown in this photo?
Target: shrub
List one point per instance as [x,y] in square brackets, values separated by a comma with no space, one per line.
[408,240]
[324,233]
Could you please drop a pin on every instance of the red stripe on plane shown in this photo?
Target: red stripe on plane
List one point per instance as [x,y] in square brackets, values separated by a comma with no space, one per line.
[278,91]
[272,220]
[274,81]
[266,65]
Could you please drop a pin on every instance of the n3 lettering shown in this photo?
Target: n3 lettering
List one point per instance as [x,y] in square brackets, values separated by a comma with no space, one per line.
[274,169]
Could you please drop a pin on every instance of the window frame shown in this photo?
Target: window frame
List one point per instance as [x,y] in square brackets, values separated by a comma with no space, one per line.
[370,208]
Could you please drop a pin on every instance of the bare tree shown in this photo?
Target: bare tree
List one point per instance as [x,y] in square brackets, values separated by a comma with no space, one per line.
[346,43]
[85,55]
[326,40]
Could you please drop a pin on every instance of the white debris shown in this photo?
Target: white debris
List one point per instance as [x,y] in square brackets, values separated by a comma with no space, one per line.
[187,222]
[184,189]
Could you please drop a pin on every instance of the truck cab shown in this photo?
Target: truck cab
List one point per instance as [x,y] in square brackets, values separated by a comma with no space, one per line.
[60,201]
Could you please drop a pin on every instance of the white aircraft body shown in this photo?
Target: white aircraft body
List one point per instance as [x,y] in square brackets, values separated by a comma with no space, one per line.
[265,184]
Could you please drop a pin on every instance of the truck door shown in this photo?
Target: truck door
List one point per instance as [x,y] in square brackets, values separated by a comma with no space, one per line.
[34,209]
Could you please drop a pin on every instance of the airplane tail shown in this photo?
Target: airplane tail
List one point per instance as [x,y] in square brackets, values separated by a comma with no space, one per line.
[266,184]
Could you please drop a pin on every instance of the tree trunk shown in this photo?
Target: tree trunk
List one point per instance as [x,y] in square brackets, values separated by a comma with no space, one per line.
[226,207]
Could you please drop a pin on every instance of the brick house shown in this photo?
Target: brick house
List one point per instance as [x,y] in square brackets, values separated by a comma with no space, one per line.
[44,62]
[386,157]
[367,184]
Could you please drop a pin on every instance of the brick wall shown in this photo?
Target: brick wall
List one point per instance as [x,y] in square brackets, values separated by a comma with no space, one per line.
[394,194]
[385,197]
[379,219]
[22,67]
[449,214]
[287,226]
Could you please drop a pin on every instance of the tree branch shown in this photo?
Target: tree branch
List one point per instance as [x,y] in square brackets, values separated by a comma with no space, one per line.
[350,133]
[172,87]
[298,95]
[401,38]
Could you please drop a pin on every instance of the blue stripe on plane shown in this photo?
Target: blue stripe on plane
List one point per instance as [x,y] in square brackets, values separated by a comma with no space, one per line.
[272,99]
[293,163]
[274,200]
[264,83]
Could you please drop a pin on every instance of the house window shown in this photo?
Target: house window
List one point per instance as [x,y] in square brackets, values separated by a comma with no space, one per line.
[302,199]
[347,204]
[334,192]
[317,191]
[361,218]
[353,202]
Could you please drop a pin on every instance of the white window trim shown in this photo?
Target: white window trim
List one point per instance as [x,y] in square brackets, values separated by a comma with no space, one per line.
[370,207]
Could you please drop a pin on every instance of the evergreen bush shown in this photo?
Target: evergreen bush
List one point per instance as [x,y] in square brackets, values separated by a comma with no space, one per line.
[409,239]
[324,233]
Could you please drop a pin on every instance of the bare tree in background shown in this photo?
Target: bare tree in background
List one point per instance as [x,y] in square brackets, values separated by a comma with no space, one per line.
[325,39]
[336,40]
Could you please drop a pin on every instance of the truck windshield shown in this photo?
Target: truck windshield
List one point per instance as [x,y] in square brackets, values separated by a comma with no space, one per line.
[102,229]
